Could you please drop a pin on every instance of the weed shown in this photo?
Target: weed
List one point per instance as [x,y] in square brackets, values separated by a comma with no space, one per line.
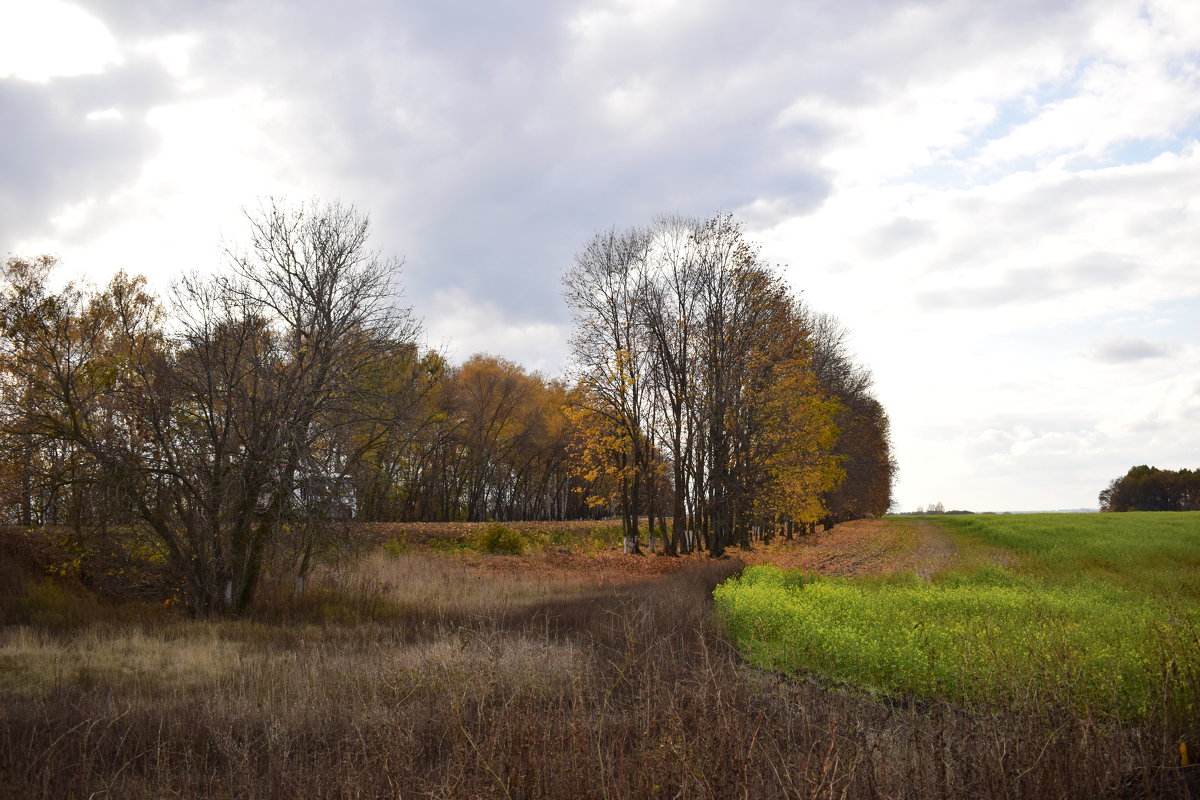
[500,540]
[396,546]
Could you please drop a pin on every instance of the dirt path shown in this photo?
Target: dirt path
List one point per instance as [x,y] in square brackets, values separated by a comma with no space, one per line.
[865,546]
[934,550]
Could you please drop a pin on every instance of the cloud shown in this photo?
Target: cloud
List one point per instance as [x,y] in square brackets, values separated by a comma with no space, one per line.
[1087,272]
[976,187]
[1166,415]
[461,326]
[898,234]
[50,39]
[530,130]
[70,140]
[1123,350]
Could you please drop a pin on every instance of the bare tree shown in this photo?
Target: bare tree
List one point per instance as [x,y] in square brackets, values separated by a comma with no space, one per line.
[605,289]
[230,436]
[671,317]
[331,302]
[695,353]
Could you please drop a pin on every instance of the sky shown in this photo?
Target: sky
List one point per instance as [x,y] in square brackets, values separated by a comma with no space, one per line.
[1000,200]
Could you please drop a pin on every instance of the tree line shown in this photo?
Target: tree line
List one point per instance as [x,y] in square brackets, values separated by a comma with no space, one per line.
[242,423]
[1146,488]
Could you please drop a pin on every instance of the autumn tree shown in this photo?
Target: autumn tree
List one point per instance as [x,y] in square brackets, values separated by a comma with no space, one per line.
[863,442]
[1146,488]
[226,435]
[485,440]
[695,361]
[605,289]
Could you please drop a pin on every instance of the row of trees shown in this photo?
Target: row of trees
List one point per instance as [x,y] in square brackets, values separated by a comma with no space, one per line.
[1146,488]
[484,441]
[222,429]
[241,424]
[708,393]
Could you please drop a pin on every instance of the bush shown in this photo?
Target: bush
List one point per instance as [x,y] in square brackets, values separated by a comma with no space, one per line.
[501,540]
[49,604]
[397,546]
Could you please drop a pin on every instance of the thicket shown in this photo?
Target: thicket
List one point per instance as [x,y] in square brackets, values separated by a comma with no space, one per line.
[1146,488]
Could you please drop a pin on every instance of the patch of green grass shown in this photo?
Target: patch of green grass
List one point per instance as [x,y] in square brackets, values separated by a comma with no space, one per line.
[1155,554]
[396,546]
[1097,613]
[991,636]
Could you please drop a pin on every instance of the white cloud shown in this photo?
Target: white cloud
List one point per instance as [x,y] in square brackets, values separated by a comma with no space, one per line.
[462,326]
[174,52]
[216,158]
[997,198]
[1124,349]
[45,39]
[1167,411]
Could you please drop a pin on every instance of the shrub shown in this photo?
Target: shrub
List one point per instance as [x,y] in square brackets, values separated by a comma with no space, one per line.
[49,604]
[397,546]
[497,538]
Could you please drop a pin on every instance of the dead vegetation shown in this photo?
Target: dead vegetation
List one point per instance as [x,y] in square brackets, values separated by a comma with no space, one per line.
[442,676]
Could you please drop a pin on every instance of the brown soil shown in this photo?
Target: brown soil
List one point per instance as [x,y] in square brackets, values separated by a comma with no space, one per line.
[865,546]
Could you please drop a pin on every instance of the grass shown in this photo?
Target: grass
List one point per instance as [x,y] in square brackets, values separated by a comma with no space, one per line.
[415,672]
[1151,554]
[990,636]
[34,662]
[1094,613]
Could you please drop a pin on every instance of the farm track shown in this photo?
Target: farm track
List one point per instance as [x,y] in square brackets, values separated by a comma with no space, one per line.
[861,547]
[865,547]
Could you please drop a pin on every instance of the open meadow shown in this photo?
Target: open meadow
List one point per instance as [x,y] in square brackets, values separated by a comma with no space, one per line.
[452,661]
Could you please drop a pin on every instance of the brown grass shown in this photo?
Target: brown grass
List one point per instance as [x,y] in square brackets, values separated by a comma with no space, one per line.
[421,675]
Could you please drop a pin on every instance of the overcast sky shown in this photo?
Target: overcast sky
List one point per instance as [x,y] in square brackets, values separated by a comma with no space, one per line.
[1001,200]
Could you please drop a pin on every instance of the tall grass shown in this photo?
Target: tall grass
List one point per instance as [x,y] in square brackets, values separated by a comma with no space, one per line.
[439,683]
[633,695]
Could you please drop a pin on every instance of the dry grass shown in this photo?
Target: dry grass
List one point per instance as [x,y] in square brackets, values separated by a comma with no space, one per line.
[448,678]
[34,662]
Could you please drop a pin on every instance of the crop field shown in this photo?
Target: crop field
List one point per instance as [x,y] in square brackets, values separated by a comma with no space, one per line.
[537,661]
[1093,612]
[1151,554]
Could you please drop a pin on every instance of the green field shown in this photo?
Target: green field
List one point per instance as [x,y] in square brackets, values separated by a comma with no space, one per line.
[1095,612]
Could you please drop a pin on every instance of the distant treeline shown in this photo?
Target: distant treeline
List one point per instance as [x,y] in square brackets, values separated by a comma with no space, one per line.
[1146,488]
[238,425]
